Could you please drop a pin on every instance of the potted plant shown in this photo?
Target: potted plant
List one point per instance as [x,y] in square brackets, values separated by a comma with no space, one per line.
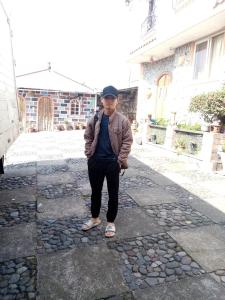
[81,126]
[60,127]
[211,106]
[205,127]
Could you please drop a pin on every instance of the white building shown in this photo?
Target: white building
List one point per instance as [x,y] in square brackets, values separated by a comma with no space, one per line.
[181,52]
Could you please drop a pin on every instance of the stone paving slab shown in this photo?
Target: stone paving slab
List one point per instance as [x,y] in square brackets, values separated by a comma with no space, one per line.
[151,196]
[17,241]
[123,296]
[141,171]
[51,162]
[19,172]
[205,244]
[161,179]
[80,274]
[57,178]
[133,222]
[198,288]
[213,208]
[24,195]
[61,207]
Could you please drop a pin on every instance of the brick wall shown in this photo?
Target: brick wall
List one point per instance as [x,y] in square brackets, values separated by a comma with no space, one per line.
[61,105]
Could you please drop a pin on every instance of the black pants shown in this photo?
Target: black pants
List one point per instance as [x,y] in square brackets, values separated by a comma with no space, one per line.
[97,171]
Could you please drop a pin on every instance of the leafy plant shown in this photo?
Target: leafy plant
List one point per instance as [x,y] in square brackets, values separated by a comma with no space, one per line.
[180,143]
[210,105]
[195,127]
[223,147]
[161,122]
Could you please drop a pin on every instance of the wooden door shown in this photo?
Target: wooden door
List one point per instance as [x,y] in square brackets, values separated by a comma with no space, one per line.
[45,114]
[162,89]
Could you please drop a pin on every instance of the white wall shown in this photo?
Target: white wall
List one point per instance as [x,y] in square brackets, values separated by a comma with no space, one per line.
[9,123]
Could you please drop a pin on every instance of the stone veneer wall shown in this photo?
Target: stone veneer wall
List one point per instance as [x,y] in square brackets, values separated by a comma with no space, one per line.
[159,131]
[152,71]
[188,136]
[61,102]
[182,88]
[127,102]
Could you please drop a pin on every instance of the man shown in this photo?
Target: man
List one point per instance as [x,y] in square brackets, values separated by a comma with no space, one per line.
[108,140]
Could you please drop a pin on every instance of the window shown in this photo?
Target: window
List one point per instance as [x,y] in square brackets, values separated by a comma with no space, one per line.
[217,56]
[75,107]
[200,60]
[210,58]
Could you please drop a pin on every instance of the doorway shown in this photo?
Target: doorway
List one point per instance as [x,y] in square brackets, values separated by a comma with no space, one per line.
[162,91]
[45,114]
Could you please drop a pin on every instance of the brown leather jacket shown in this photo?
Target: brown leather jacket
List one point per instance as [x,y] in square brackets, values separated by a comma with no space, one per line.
[120,135]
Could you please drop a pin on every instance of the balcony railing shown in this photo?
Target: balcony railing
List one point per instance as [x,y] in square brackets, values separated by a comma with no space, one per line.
[148,24]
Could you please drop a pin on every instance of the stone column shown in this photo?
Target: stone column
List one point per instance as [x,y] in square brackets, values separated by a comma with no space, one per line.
[146,132]
[210,143]
[170,132]
[170,136]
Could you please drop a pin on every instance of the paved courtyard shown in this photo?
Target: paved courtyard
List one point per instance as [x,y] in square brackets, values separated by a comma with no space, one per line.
[170,240]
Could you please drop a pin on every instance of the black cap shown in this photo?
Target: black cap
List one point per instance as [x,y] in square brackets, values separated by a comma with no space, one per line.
[109,91]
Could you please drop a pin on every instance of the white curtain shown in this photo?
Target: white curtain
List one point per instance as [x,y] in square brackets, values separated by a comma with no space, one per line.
[200,60]
[217,62]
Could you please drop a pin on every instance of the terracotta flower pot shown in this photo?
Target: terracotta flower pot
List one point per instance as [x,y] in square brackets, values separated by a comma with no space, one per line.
[216,128]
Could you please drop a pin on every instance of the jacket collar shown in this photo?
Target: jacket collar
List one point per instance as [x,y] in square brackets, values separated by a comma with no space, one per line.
[110,118]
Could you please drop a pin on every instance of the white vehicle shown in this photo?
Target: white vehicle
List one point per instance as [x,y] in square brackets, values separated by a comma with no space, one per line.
[9,112]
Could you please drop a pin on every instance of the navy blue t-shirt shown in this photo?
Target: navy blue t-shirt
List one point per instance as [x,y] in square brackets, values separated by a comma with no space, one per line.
[104,148]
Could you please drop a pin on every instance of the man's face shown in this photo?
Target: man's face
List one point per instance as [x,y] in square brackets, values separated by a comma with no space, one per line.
[109,102]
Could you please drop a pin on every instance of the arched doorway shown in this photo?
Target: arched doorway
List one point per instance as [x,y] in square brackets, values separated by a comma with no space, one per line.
[22,112]
[45,114]
[162,91]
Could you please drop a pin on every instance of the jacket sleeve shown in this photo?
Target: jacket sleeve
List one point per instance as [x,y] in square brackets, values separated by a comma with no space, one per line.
[89,137]
[127,140]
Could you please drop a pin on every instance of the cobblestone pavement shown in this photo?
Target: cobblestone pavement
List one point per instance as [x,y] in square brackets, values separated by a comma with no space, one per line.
[170,226]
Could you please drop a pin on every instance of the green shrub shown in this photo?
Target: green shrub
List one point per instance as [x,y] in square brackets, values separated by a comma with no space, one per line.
[195,127]
[210,105]
[223,147]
